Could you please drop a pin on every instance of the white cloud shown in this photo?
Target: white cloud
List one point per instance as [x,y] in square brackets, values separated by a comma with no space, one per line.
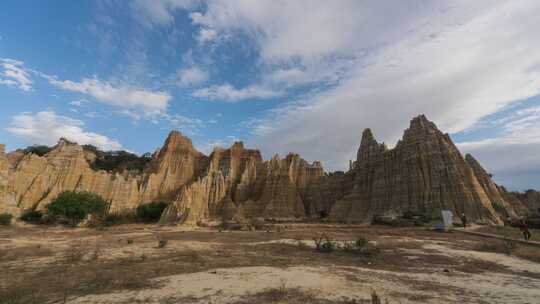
[206,35]
[192,76]
[15,74]
[513,155]
[455,64]
[159,12]
[47,127]
[189,125]
[228,93]
[209,146]
[79,102]
[123,96]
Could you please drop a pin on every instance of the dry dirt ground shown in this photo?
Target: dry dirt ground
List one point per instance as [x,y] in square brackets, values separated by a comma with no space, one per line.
[126,264]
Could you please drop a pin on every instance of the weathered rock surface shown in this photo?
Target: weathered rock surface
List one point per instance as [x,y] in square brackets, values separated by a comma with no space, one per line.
[424,173]
[502,201]
[530,199]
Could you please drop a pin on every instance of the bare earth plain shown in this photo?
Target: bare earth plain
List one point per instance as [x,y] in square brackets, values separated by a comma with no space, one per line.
[125,264]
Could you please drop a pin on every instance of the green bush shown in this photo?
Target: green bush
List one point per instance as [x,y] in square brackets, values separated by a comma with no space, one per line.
[38,150]
[75,206]
[32,216]
[150,212]
[5,219]
[119,218]
[118,161]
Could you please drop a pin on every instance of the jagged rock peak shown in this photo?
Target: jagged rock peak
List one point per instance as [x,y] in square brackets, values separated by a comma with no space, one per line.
[369,146]
[238,145]
[367,137]
[421,122]
[423,130]
[176,141]
[475,165]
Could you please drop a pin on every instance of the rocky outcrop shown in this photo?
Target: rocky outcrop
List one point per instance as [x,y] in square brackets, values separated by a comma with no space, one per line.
[8,202]
[424,173]
[502,201]
[176,164]
[529,199]
[37,180]
[239,184]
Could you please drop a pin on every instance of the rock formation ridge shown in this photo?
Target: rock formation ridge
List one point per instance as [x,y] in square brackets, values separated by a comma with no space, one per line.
[424,173]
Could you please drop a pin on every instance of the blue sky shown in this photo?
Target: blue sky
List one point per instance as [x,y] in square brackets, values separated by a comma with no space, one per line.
[302,76]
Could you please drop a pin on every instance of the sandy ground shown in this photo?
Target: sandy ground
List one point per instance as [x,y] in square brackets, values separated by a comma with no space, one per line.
[125,265]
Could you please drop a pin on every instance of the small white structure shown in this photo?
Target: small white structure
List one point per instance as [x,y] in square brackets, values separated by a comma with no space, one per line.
[448,219]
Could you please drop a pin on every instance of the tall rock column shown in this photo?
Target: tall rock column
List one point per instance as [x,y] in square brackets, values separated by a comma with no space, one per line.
[425,173]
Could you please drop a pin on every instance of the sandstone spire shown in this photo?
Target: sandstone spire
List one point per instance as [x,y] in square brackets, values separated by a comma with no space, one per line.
[424,172]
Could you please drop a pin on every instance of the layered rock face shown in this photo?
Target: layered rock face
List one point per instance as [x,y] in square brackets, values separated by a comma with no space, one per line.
[35,181]
[238,184]
[7,195]
[176,164]
[424,173]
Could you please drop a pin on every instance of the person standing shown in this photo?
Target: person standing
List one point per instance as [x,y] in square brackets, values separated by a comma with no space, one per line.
[463,218]
[524,229]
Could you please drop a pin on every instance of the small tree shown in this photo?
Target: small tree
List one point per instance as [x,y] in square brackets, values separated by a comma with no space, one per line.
[75,206]
[5,219]
[32,216]
[150,212]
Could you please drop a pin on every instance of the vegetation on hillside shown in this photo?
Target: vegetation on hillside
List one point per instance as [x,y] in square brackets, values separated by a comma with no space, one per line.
[118,161]
[38,150]
[75,206]
[150,212]
[32,216]
[5,219]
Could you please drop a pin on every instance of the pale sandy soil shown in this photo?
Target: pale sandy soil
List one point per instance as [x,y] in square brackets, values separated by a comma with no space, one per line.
[414,266]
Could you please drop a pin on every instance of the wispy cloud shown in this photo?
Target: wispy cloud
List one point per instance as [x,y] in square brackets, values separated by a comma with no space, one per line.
[208,146]
[206,35]
[47,127]
[159,12]
[14,74]
[123,96]
[228,93]
[192,76]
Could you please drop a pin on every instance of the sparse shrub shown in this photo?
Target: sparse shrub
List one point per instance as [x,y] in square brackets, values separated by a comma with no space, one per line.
[324,243]
[32,216]
[509,246]
[361,242]
[150,212]
[119,218]
[75,206]
[130,241]
[278,294]
[161,241]
[5,219]
[375,299]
